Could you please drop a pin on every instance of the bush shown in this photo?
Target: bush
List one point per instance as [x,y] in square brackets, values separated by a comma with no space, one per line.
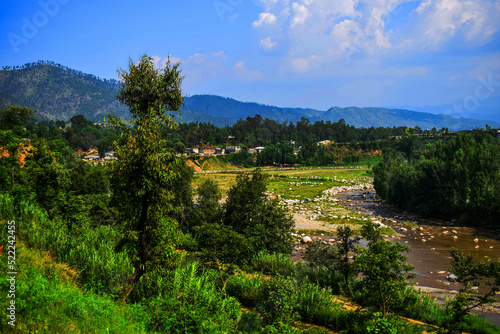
[315,305]
[324,277]
[246,288]
[278,301]
[90,250]
[189,302]
[273,264]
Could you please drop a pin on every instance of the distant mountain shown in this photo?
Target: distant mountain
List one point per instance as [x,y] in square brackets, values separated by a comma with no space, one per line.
[486,109]
[58,92]
[225,111]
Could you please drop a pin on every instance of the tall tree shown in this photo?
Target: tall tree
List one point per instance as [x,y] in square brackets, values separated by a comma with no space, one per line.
[144,173]
[15,118]
[250,212]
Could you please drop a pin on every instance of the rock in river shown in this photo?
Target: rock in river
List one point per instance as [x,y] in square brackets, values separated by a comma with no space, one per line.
[306,240]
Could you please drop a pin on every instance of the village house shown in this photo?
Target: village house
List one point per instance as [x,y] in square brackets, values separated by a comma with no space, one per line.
[233,149]
[192,150]
[220,150]
[208,151]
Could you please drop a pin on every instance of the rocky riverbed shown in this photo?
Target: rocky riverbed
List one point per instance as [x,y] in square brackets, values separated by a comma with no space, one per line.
[430,241]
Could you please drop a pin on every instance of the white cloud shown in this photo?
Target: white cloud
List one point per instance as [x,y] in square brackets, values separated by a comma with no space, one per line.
[269,4]
[435,22]
[267,43]
[244,73]
[301,14]
[342,31]
[265,18]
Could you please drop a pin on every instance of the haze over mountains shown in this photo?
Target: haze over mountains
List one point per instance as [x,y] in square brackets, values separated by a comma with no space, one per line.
[58,92]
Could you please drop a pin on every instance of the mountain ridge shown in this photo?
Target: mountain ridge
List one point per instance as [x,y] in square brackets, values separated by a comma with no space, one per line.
[59,92]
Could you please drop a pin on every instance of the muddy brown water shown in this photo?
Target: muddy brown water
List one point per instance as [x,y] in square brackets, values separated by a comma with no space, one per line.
[430,243]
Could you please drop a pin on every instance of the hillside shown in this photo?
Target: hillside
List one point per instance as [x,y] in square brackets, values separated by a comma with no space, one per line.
[58,92]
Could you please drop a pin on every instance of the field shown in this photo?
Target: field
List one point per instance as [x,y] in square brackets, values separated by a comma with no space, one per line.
[301,190]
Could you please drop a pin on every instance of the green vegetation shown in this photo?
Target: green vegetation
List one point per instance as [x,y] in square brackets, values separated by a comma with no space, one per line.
[457,179]
[139,245]
[144,175]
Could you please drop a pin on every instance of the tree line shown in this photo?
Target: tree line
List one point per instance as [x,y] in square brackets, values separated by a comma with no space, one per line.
[455,179]
[81,74]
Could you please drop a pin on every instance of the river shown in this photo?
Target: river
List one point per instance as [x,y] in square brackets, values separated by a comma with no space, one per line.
[430,241]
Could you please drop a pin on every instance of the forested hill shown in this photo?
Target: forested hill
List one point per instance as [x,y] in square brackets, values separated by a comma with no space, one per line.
[58,92]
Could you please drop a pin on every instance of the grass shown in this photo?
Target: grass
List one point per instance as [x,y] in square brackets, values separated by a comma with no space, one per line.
[48,300]
[311,182]
[312,233]
[410,224]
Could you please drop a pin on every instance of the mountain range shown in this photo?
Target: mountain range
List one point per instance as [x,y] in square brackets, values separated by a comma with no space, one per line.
[58,92]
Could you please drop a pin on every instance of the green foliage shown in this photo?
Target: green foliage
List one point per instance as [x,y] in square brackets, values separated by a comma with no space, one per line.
[278,300]
[470,273]
[217,241]
[336,257]
[247,288]
[385,271]
[189,302]
[48,301]
[315,304]
[385,325]
[207,208]
[144,175]
[91,251]
[251,213]
[15,118]
[457,179]
[249,222]
[273,264]
[48,178]
[322,276]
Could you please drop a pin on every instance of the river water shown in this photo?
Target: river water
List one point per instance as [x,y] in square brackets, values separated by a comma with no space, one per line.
[430,241]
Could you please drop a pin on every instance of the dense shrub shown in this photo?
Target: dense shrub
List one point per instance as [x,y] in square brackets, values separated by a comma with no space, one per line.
[90,250]
[189,302]
[247,288]
[278,300]
[315,305]
[272,264]
[324,277]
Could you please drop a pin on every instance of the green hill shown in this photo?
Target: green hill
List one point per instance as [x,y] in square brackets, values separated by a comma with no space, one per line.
[58,92]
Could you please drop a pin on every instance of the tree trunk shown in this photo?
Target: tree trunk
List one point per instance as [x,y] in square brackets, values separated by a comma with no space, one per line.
[144,253]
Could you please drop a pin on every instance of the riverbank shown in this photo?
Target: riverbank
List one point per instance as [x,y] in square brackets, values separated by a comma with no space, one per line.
[430,241]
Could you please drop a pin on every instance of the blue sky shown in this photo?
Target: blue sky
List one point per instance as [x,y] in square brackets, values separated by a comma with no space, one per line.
[288,53]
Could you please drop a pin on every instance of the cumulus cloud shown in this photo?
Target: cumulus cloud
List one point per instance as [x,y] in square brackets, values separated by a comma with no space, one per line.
[265,18]
[301,14]
[435,22]
[267,43]
[244,73]
[334,31]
